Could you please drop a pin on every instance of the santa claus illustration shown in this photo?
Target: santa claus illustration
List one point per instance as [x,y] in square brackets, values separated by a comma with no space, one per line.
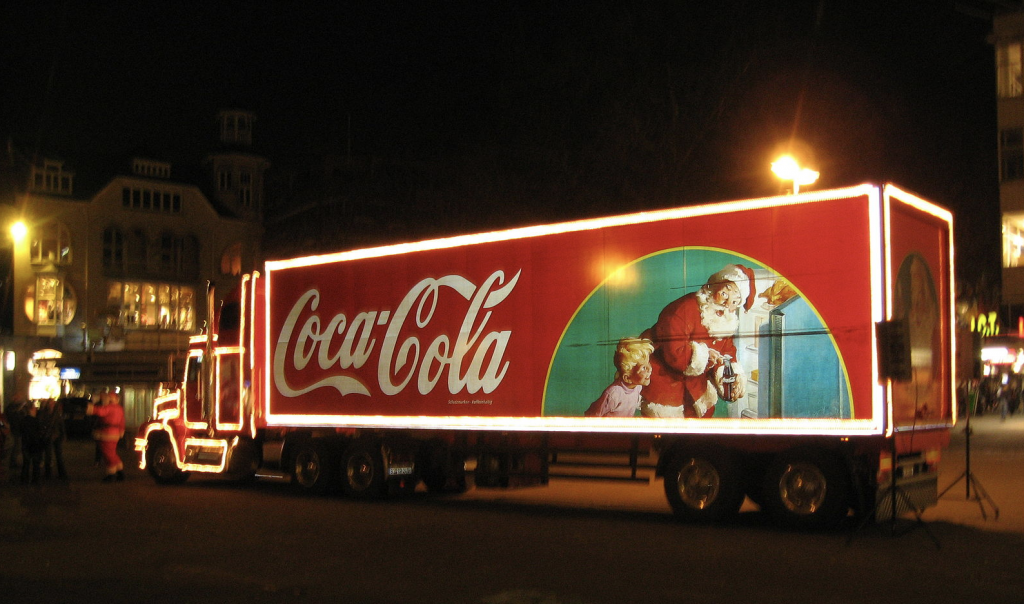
[693,342]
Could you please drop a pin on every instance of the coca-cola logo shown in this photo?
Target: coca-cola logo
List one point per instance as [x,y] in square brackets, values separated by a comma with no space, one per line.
[309,345]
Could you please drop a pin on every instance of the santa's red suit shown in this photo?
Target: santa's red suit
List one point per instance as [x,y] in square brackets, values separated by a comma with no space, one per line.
[109,432]
[685,379]
[682,372]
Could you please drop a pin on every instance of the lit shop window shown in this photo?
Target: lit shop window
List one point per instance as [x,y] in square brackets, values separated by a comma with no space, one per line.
[1008,70]
[51,243]
[152,305]
[50,301]
[1013,243]
[45,382]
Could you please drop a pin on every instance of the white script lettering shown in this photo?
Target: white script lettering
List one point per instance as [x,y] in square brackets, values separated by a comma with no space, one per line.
[475,362]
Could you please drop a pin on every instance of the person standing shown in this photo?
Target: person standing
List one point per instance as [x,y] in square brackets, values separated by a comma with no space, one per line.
[15,411]
[51,417]
[108,433]
[31,445]
[5,435]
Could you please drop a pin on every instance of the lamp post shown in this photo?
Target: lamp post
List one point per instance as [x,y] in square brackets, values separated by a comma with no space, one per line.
[8,380]
[787,168]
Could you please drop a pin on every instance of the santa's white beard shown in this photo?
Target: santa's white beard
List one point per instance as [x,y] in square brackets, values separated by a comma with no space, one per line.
[719,320]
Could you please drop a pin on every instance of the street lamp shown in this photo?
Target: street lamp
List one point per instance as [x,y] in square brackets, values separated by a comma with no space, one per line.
[787,168]
[18,231]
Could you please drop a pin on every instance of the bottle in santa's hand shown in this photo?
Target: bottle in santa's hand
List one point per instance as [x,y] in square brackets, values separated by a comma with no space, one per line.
[728,378]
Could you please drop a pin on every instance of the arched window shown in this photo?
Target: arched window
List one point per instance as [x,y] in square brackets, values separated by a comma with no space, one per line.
[50,301]
[231,260]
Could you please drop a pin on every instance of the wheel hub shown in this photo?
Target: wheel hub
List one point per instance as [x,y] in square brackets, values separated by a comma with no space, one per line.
[699,484]
[307,469]
[359,471]
[802,488]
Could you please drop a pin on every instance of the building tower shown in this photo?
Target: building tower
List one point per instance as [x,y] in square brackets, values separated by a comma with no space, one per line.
[237,172]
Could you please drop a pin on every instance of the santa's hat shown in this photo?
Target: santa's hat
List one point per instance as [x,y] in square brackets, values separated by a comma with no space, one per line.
[743,277]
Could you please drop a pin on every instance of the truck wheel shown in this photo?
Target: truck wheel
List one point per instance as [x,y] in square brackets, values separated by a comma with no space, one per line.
[362,471]
[806,491]
[311,468]
[161,464]
[703,485]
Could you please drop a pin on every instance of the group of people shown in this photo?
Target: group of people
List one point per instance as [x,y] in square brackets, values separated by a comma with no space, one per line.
[991,395]
[37,436]
[32,435]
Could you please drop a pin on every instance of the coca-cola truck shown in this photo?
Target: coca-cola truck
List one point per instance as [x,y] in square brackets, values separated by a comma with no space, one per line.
[797,350]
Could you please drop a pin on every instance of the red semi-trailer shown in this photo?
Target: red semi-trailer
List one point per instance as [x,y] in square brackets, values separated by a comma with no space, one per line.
[796,349]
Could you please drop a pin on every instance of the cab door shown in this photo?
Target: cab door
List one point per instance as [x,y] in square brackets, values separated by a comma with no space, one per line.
[194,412]
[229,388]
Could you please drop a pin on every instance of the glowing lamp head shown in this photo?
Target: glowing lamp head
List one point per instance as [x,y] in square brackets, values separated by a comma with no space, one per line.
[18,231]
[787,168]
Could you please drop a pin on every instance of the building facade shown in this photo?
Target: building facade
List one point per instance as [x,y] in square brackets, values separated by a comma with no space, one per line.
[1008,41]
[107,285]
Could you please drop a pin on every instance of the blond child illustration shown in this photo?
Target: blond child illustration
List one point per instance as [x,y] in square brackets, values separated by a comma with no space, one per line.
[622,398]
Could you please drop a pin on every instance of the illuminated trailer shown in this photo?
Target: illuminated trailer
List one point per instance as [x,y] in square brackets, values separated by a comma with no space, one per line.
[787,349]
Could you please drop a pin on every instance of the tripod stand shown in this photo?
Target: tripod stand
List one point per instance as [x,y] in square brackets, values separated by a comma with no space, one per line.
[980,495]
[895,498]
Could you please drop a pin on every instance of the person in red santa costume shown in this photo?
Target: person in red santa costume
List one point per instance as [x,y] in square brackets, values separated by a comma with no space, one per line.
[109,432]
[691,339]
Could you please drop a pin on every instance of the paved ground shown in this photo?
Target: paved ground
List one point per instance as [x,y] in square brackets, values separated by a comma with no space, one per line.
[574,542]
[997,467]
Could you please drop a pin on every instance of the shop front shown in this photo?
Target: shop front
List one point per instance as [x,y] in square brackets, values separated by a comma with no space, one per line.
[1002,384]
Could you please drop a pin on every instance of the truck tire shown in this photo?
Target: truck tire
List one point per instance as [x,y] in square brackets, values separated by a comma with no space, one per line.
[703,485]
[161,464]
[311,468]
[362,471]
[806,490]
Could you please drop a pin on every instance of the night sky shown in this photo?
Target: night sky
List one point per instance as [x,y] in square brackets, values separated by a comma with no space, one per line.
[559,109]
